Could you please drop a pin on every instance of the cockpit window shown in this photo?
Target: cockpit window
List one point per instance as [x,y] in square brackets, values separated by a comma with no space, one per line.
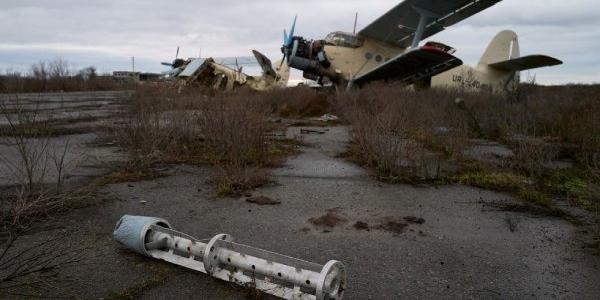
[344,39]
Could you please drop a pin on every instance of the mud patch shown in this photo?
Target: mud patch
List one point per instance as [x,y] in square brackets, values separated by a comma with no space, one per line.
[398,225]
[262,200]
[331,219]
[361,226]
[393,226]
[414,220]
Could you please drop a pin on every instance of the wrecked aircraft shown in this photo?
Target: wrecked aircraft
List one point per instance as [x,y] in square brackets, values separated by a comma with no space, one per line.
[388,49]
[219,76]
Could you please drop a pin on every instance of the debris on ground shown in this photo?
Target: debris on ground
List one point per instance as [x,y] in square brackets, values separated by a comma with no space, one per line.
[512,224]
[330,219]
[361,226]
[263,200]
[414,220]
[328,118]
[311,131]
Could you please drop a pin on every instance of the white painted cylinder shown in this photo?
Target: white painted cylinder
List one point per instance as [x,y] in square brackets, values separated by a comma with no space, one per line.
[298,277]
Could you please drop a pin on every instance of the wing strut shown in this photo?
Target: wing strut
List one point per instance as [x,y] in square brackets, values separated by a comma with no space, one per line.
[424,17]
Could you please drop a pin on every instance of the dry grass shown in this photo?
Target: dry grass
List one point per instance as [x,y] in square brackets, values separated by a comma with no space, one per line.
[233,181]
[396,132]
[34,166]
[32,271]
[394,129]
[299,102]
[227,130]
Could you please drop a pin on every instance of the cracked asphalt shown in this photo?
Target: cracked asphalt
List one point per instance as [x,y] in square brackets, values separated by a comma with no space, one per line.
[461,250]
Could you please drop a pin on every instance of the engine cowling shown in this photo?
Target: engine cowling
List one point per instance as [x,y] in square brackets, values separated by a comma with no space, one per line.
[309,56]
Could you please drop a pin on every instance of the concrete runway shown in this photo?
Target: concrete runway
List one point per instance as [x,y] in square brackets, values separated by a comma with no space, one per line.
[462,250]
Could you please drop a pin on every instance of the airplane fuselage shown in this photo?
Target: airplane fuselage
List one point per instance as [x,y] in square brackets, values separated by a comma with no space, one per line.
[340,56]
[481,78]
[350,62]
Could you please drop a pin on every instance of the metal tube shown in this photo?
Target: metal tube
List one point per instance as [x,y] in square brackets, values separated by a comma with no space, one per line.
[298,277]
[425,16]
[419,32]
[285,276]
[180,244]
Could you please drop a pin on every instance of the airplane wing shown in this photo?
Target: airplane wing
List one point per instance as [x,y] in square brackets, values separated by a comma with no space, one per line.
[398,26]
[526,63]
[412,66]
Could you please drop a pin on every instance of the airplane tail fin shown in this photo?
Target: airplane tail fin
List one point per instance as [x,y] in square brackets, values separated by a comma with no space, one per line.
[503,55]
[505,46]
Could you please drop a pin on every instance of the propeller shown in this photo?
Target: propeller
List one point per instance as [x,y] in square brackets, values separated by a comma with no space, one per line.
[172,63]
[288,40]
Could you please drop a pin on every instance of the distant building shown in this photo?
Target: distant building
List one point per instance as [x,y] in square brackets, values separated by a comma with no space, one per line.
[128,76]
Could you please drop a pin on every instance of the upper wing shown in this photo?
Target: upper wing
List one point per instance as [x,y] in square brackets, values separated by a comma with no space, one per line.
[412,66]
[399,24]
[191,68]
[526,63]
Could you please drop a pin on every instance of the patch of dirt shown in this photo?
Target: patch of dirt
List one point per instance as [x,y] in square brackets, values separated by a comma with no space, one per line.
[393,226]
[414,220]
[361,226]
[330,219]
[262,200]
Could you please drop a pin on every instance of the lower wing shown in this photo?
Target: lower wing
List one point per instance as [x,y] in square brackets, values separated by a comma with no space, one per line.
[412,66]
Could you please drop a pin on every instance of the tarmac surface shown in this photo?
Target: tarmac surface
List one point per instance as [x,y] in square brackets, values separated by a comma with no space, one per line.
[459,250]
[397,241]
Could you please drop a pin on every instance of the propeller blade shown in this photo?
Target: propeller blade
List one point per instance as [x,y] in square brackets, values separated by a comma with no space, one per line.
[282,61]
[291,35]
[177,53]
[285,37]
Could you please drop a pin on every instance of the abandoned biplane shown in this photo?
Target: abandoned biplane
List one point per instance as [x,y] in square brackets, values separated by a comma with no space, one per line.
[497,71]
[388,49]
[221,76]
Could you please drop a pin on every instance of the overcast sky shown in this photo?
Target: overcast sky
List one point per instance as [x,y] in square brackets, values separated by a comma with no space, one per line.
[106,33]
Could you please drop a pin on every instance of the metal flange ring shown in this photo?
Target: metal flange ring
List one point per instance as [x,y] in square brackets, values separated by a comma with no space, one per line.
[211,253]
[332,281]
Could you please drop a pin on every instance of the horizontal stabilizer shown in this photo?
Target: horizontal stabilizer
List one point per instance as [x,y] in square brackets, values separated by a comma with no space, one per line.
[526,63]
[412,66]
